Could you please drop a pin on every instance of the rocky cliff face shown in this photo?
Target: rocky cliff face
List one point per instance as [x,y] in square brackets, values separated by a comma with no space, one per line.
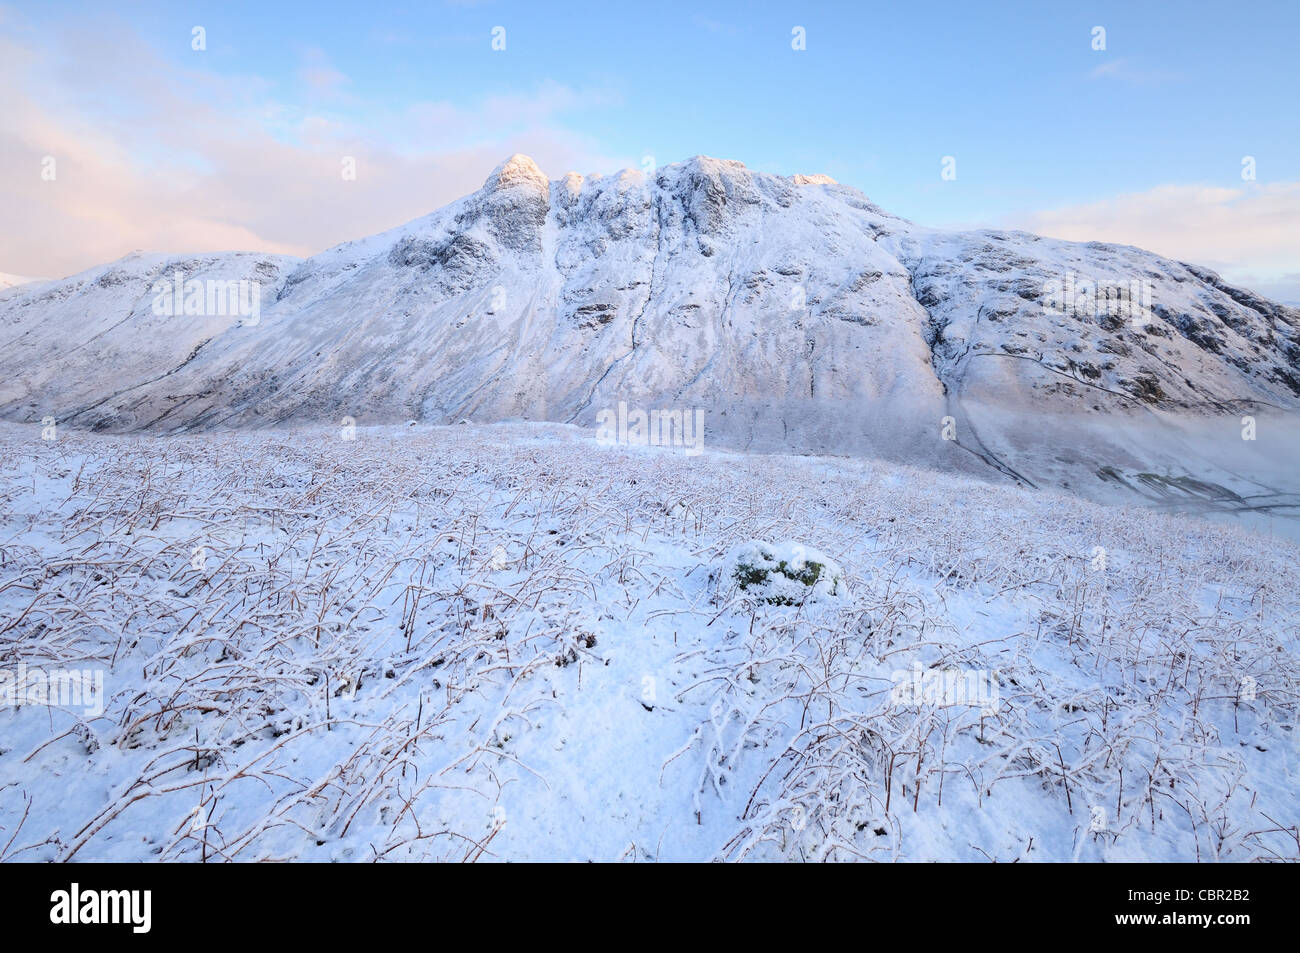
[796,313]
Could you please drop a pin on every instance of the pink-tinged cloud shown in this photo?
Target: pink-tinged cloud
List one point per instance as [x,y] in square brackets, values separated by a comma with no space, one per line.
[199,162]
[1250,234]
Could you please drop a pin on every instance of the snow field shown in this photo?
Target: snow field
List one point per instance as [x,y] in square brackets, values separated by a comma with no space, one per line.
[512,643]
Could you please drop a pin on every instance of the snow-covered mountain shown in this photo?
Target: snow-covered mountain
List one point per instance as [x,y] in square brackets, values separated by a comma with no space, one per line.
[71,346]
[791,310]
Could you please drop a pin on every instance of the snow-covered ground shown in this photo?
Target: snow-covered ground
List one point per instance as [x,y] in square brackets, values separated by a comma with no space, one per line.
[512,642]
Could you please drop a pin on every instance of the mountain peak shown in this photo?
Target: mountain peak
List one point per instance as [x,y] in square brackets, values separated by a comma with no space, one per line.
[716,167]
[733,168]
[518,170]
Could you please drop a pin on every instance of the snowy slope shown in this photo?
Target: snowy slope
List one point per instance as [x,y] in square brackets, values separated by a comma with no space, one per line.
[792,311]
[512,643]
[81,341]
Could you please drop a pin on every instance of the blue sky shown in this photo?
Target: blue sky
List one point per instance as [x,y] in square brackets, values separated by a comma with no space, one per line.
[1047,132]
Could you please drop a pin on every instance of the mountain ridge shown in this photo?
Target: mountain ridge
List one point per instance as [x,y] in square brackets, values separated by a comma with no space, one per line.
[793,310]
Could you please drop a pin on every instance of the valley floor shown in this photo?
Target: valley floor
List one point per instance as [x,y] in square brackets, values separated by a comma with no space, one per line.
[512,643]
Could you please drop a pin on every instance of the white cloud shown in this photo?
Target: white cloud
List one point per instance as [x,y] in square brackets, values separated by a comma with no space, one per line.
[1126,71]
[161,157]
[321,79]
[1250,235]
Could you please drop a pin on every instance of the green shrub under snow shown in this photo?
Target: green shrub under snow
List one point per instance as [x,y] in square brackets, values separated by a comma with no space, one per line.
[784,573]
